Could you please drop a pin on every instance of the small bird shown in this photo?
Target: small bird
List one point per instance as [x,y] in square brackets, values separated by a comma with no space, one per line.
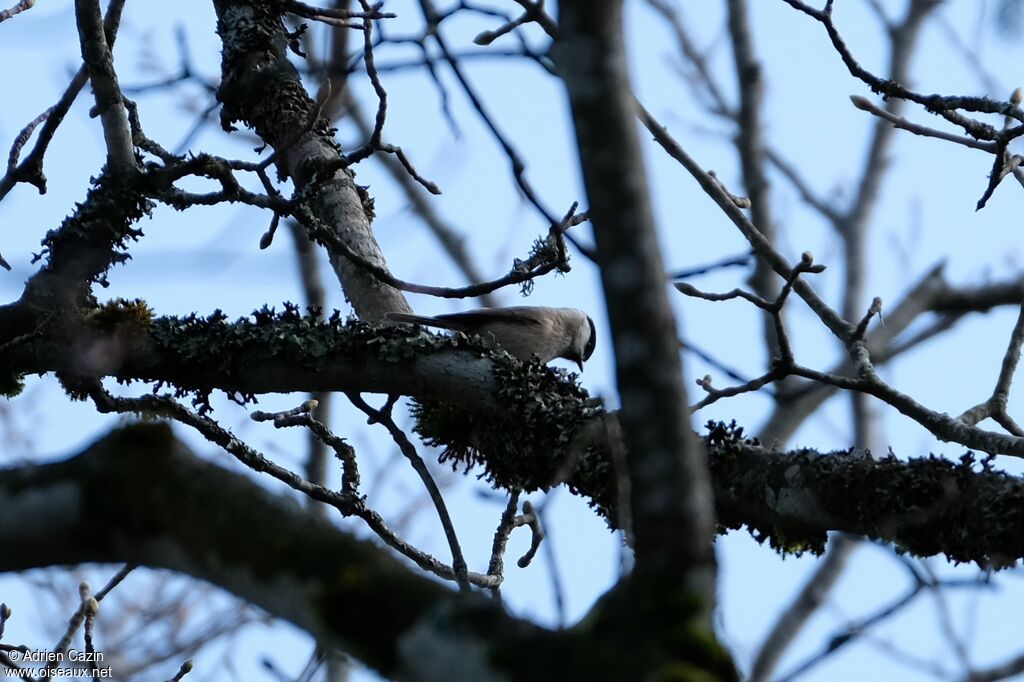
[523,331]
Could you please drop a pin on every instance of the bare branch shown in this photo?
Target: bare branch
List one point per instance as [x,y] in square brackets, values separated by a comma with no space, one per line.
[383,417]
[433,19]
[345,503]
[496,566]
[31,169]
[864,104]
[549,255]
[18,8]
[335,16]
[995,406]
[99,64]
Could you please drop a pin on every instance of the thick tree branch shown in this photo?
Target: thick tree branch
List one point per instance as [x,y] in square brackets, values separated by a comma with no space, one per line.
[669,504]
[261,88]
[139,496]
[792,498]
[113,505]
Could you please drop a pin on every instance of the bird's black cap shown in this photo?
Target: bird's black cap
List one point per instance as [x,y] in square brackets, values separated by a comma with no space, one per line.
[588,349]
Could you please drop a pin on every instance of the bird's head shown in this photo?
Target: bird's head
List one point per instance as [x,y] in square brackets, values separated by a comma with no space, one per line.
[583,341]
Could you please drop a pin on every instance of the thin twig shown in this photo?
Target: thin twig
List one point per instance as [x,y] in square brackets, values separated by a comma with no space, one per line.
[384,418]
[496,566]
[155,405]
[864,104]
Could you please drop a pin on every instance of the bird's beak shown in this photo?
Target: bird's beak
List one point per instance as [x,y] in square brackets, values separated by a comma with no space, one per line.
[579,363]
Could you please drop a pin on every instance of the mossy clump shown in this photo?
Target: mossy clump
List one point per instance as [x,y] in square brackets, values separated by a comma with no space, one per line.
[215,346]
[215,341]
[122,316]
[97,235]
[526,444]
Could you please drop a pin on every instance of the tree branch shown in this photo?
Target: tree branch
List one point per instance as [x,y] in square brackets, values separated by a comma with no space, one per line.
[261,88]
[99,64]
[138,496]
[670,506]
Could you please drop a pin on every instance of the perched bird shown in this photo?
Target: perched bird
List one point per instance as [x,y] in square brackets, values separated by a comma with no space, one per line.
[523,331]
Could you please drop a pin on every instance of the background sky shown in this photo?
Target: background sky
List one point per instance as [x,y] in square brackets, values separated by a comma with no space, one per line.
[211,259]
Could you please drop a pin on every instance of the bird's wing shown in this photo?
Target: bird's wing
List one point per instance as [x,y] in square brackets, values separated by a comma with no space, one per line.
[420,319]
[488,316]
